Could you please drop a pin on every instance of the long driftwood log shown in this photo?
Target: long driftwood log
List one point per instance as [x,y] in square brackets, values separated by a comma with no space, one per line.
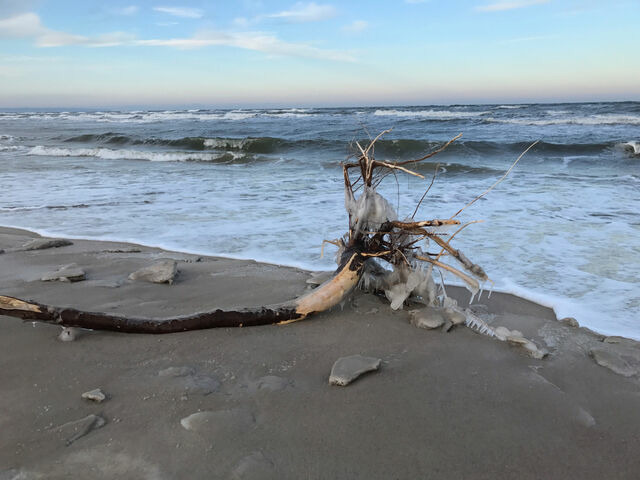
[327,295]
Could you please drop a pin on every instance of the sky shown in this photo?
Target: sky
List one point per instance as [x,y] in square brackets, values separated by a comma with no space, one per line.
[243,53]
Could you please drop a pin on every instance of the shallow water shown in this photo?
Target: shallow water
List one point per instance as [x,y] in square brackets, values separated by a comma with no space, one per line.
[563,229]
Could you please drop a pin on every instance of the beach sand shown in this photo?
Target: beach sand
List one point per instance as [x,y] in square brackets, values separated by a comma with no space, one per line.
[455,405]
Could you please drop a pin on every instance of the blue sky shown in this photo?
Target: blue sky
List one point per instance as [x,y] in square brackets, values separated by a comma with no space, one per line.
[75,53]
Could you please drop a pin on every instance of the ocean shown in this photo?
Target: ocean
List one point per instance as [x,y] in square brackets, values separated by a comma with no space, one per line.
[563,229]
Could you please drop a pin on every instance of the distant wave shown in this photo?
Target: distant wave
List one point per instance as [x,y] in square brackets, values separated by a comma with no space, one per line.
[152,156]
[152,117]
[395,148]
[600,119]
[248,144]
[430,114]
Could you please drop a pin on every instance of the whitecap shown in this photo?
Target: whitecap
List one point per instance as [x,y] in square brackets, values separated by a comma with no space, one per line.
[433,114]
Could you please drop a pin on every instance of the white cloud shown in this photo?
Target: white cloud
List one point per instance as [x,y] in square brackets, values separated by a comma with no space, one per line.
[184,12]
[21,26]
[356,26]
[305,12]
[256,41]
[29,26]
[500,6]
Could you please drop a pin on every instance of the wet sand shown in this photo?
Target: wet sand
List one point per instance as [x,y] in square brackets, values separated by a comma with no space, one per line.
[442,405]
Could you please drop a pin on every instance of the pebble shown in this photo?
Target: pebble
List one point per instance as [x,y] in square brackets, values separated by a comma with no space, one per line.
[201,384]
[220,423]
[95,395]
[79,428]
[570,321]
[66,273]
[427,317]
[163,271]
[272,383]
[346,369]
[613,362]
[68,334]
[614,339]
[254,466]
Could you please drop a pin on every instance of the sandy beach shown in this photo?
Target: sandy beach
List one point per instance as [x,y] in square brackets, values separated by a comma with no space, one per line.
[443,405]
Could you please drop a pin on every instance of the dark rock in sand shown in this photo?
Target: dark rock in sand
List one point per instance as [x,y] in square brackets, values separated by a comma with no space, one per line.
[44,243]
[77,429]
[162,271]
[346,369]
[66,273]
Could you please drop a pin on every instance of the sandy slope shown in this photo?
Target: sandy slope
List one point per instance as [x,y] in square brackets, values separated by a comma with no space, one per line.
[443,405]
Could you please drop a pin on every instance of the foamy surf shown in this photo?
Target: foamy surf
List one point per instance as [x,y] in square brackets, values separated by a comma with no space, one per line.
[119,154]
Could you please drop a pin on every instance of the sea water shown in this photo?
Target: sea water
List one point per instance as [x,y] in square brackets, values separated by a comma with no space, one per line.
[562,229]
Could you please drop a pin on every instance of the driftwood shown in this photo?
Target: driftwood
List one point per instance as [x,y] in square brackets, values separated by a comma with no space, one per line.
[375,236]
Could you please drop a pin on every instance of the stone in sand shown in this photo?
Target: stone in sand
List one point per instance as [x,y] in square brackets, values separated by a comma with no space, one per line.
[72,431]
[254,466]
[611,360]
[66,273]
[163,271]
[68,334]
[95,395]
[44,243]
[219,423]
[427,317]
[454,316]
[346,369]
[272,383]
[570,321]
[201,384]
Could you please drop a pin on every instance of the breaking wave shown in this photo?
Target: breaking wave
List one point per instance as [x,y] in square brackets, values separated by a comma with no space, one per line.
[599,119]
[390,148]
[152,156]
[429,114]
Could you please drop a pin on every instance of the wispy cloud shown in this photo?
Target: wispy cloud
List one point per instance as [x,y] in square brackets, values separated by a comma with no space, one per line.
[127,11]
[184,12]
[501,6]
[29,26]
[356,26]
[256,41]
[305,12]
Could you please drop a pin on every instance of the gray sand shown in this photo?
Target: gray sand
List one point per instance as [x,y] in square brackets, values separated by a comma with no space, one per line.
[443,405]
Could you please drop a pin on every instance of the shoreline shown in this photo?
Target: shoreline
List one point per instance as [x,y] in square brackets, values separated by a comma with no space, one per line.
[539,298]
[443,404]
